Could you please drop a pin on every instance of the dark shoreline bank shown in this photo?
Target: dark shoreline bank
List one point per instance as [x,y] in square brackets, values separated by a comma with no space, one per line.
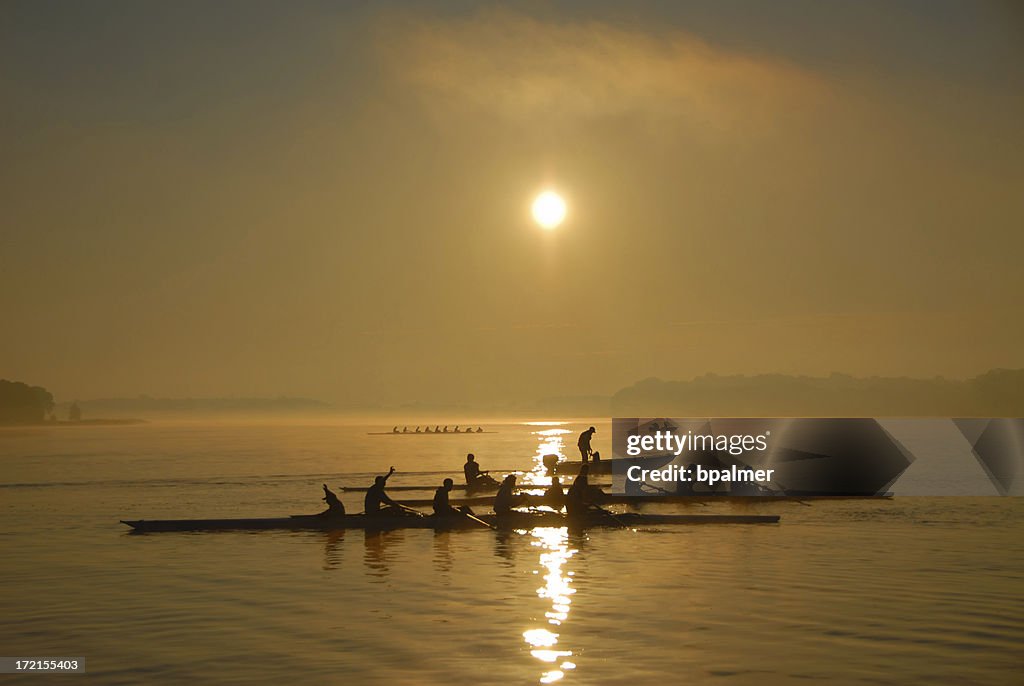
[82,422]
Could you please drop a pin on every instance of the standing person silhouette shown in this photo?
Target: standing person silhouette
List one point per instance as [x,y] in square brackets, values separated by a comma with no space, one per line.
[584,443]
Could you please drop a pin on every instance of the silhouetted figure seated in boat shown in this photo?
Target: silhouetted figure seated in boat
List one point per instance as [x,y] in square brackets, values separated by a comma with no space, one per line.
[479,429]
[456,430]
[335,508]
[578,497]
[378,503]
[554,496]
[437,429]
[445,429]
[506,498]
[442,508]
[471,469]
[405,429]
[418,430]
[394,430]
[474,477]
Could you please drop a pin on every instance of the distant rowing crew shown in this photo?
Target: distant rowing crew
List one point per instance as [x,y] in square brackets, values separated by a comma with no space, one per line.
[439,430]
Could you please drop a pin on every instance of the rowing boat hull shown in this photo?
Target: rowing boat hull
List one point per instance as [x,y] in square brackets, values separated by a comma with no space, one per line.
[429,433]
[529,499]
[484,488]
[570,467]
[516,520]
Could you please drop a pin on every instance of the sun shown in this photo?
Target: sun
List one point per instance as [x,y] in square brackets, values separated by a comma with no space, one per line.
[549,210]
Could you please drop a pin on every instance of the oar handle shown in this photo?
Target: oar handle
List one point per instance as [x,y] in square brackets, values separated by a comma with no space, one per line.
[477,520]
[410,510]
[608,514]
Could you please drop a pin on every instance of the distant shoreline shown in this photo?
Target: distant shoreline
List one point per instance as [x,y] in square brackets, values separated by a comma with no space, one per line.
[82,422]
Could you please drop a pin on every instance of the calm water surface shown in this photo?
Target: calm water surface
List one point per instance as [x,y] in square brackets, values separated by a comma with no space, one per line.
[908,591]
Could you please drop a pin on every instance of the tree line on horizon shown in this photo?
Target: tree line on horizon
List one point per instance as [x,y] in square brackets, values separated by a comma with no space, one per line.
[24,404]
[996,393]
[145,403]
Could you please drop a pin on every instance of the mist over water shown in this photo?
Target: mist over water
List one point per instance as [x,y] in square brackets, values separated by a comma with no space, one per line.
[850,591]
[747,209]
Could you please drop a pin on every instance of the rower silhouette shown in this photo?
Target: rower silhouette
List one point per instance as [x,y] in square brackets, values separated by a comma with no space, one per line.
[505,499]
[442,508]
[554,496]
[474,477]
[577,497]
[335,508]
[377,502]
[471,469]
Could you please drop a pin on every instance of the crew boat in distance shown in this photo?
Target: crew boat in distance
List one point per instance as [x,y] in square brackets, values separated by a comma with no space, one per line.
[438,429]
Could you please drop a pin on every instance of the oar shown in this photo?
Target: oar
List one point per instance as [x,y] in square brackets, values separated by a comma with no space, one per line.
[801,502]
[410,510]
[675,495]
[464,514]
[784,489]
[474,518]
[609,514]
[781,487]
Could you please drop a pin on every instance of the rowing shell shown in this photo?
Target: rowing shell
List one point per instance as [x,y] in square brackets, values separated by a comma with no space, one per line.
[428,433]
[515,520]
[457,487]
[535,499]
[570,467]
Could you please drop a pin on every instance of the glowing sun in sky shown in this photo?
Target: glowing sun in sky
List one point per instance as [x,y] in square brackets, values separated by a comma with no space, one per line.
[549,210]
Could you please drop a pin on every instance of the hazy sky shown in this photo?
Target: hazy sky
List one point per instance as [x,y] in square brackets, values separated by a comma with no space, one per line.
[332,199]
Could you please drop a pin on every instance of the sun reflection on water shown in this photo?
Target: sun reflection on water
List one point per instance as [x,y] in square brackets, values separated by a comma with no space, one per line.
[550,441]
[558,591]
